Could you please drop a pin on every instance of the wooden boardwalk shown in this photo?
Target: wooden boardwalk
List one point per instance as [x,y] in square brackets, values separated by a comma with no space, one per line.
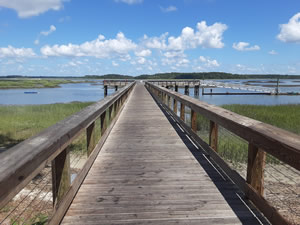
[148,172]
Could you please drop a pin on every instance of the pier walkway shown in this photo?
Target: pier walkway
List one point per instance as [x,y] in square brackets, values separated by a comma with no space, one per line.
[149,172]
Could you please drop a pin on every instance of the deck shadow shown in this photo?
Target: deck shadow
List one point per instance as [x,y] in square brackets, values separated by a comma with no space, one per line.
[231,193]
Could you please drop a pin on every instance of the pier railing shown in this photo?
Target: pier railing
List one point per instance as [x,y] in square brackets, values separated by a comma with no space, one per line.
[262,139]
[51,148]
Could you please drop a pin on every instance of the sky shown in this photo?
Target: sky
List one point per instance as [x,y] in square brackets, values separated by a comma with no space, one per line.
[133,37]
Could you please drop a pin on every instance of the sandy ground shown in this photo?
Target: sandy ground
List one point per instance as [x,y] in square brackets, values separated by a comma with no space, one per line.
[282,189]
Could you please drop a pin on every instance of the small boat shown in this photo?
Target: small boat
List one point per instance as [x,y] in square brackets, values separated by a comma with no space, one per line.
[30,92]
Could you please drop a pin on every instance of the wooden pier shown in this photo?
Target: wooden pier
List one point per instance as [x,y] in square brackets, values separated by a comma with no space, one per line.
[148,166]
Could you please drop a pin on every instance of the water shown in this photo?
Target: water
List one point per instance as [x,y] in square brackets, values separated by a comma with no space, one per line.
[87,92]
[83,92]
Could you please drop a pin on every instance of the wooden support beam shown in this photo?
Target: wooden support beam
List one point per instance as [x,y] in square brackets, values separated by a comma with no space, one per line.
[256,167]
[61,176]
[213,135]
[103,122]
[90,138]
[169,101]
[116,87]
[175,106]
[194,120]
[182,112]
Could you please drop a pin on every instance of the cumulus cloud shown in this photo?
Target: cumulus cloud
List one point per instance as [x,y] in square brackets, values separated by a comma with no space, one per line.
[28,8]
[244,46]
[272,52]
[143,53]
[115,64]
[130,2]
[171,8]
[100,48]
[11,52]
[209,62]
[204,36]
[290,32]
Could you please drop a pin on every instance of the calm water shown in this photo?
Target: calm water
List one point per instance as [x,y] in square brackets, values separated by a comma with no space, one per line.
[87,92]
[66,93]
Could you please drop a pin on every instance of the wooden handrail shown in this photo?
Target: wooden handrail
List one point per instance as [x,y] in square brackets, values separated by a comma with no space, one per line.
[280,143]
[261,137]
[21,163]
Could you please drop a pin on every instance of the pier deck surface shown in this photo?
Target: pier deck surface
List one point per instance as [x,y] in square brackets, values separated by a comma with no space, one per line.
[149,173]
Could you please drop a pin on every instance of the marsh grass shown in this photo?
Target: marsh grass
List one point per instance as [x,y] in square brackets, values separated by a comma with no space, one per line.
[34,83]
[21,122]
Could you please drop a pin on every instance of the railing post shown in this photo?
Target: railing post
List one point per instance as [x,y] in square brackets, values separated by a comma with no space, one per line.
[196,90]
[169,101]
[182,111]
[105,90]
[61,175]
[103,122]
[176,87]
[175,106]
[194,120]
[116,87]
[90,138]
[213,135]
[186,90]
[256,167]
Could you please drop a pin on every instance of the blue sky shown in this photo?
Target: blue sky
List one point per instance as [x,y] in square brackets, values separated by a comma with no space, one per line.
[76,37]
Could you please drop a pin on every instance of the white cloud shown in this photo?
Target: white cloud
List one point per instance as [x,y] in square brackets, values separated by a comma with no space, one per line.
[243,46]
[28,8]
[143,53]
[141,60]
[171,8]
[130,2]
[45,33]
[114,64]
[273,52]
[290,32]
[209,62]
[11,52]
[100,48]
[205,36]
[51,30]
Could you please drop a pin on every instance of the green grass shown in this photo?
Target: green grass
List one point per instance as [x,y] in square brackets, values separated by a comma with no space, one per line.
[33,83]
[21,122]
[283,116]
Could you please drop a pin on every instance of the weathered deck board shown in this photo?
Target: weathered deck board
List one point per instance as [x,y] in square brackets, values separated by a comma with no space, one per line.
[146,173]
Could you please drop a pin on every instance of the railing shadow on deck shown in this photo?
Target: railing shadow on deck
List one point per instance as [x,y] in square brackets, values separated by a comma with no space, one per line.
[262,138]
[231,193]
[50,149]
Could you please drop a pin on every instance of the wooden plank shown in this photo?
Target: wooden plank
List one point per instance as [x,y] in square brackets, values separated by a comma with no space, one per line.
[139,177]
[255,168]
[182,111]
